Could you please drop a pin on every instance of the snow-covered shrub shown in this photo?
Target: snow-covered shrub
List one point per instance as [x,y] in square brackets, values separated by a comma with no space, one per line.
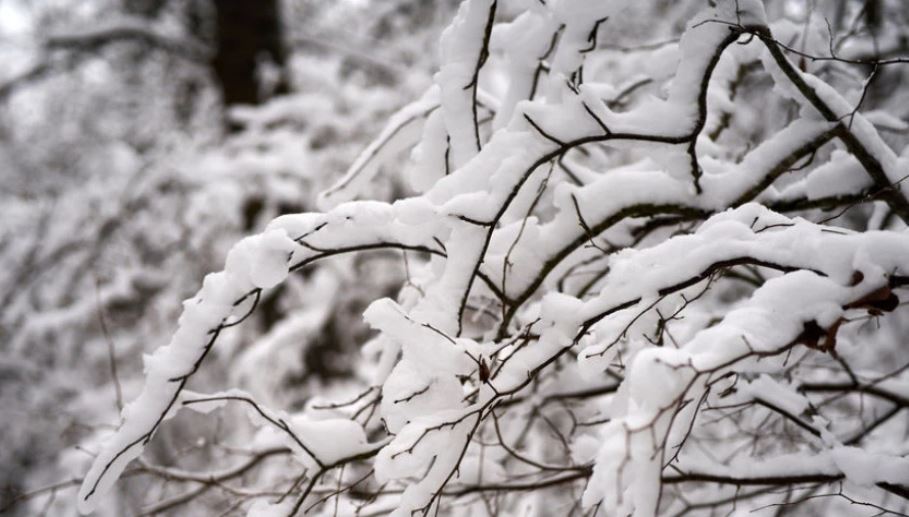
[629,289]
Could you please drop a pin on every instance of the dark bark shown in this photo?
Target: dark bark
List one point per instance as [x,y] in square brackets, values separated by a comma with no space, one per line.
[246,32]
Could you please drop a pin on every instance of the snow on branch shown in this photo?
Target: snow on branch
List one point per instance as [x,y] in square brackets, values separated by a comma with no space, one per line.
[602,288]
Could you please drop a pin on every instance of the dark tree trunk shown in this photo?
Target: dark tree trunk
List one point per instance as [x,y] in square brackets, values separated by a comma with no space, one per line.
[247,31]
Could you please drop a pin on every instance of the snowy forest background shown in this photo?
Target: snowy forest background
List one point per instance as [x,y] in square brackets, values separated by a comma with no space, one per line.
[141,139]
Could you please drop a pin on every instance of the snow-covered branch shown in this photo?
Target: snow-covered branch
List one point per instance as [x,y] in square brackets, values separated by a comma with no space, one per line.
[604,299]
